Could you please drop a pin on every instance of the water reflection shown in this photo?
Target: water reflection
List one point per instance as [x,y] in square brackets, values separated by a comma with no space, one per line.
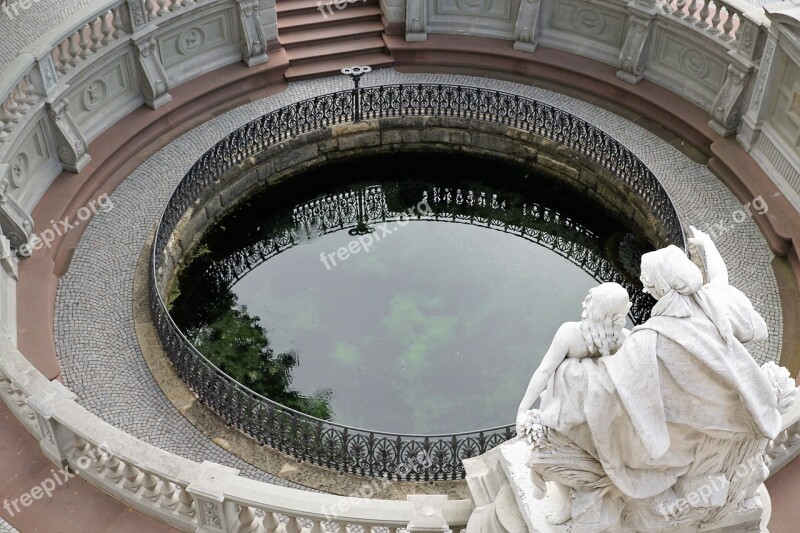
[434,328]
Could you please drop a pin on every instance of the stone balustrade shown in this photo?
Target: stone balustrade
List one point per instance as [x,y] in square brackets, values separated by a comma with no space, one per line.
[56,97]
[721,19]
[187,495]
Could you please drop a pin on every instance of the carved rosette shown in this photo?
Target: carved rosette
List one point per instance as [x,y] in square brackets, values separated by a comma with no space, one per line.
[154,83]
[254,40]
[71,143]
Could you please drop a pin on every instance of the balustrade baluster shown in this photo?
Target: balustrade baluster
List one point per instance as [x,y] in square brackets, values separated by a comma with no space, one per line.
[167,499]
[63,58]
[271,523]
[22,104]
[717,18]
[14,116]
[162,8]
[114,469]
[186,507]
[95,36]
[106,29]
[5,123]
[316,527]
[84,42]
[118,21]
[133,477]
[679,11]
[150,484]
[691,15]
[73,50]
[151,7]
[342,527]
[294,525]
[704,12]
[247,519]
[727,34]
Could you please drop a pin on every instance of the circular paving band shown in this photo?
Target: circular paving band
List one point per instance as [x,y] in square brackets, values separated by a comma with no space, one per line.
[99,352]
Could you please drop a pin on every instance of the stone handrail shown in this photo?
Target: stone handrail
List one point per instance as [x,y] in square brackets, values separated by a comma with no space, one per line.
[185,494]
[189,495]
[32,76]
[723,20]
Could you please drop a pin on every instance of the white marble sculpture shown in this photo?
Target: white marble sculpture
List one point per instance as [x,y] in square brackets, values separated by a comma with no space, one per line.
[659,429]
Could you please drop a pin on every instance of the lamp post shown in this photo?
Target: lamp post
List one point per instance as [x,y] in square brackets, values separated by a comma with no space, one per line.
[355,74]
[362,228]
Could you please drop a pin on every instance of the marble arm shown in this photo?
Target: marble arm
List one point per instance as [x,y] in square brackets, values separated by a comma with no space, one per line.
[715,266]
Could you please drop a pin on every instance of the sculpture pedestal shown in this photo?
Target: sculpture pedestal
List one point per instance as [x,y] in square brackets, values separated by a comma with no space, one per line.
[504,502]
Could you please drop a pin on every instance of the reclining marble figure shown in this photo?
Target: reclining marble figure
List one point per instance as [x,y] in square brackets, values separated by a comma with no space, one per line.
[663,428]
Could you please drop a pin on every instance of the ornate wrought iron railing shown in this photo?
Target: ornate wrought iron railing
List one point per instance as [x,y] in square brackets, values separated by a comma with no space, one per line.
[358,451]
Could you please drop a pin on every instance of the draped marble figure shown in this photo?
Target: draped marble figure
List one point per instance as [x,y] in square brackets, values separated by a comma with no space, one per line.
[665,426]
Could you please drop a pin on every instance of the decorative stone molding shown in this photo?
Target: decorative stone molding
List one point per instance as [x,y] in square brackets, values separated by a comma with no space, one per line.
[726,109]
[48,77]
[526,29]
[416,20]
[633,57]
[216,515]
[15,222]
[154,83]
[71,145]
[254,40]
[496,507]
[55,443]
[428,515]
[137,16]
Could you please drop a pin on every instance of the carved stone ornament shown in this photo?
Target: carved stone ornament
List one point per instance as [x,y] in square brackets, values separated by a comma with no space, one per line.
[526,29]
[254,40]
[416,20]
[632,56]
[154,83]
[726,109]
[620,441]
[70,141]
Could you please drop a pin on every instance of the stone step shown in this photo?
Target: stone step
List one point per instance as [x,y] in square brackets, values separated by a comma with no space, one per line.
[351,13]
[299,7]
[335,64]
[323,50]
[331,34]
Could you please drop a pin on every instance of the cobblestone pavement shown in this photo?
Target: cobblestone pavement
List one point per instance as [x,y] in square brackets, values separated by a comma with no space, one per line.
[95,338]
[5,527]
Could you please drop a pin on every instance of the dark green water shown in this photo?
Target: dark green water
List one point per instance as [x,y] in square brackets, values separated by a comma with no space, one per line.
[429,323]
